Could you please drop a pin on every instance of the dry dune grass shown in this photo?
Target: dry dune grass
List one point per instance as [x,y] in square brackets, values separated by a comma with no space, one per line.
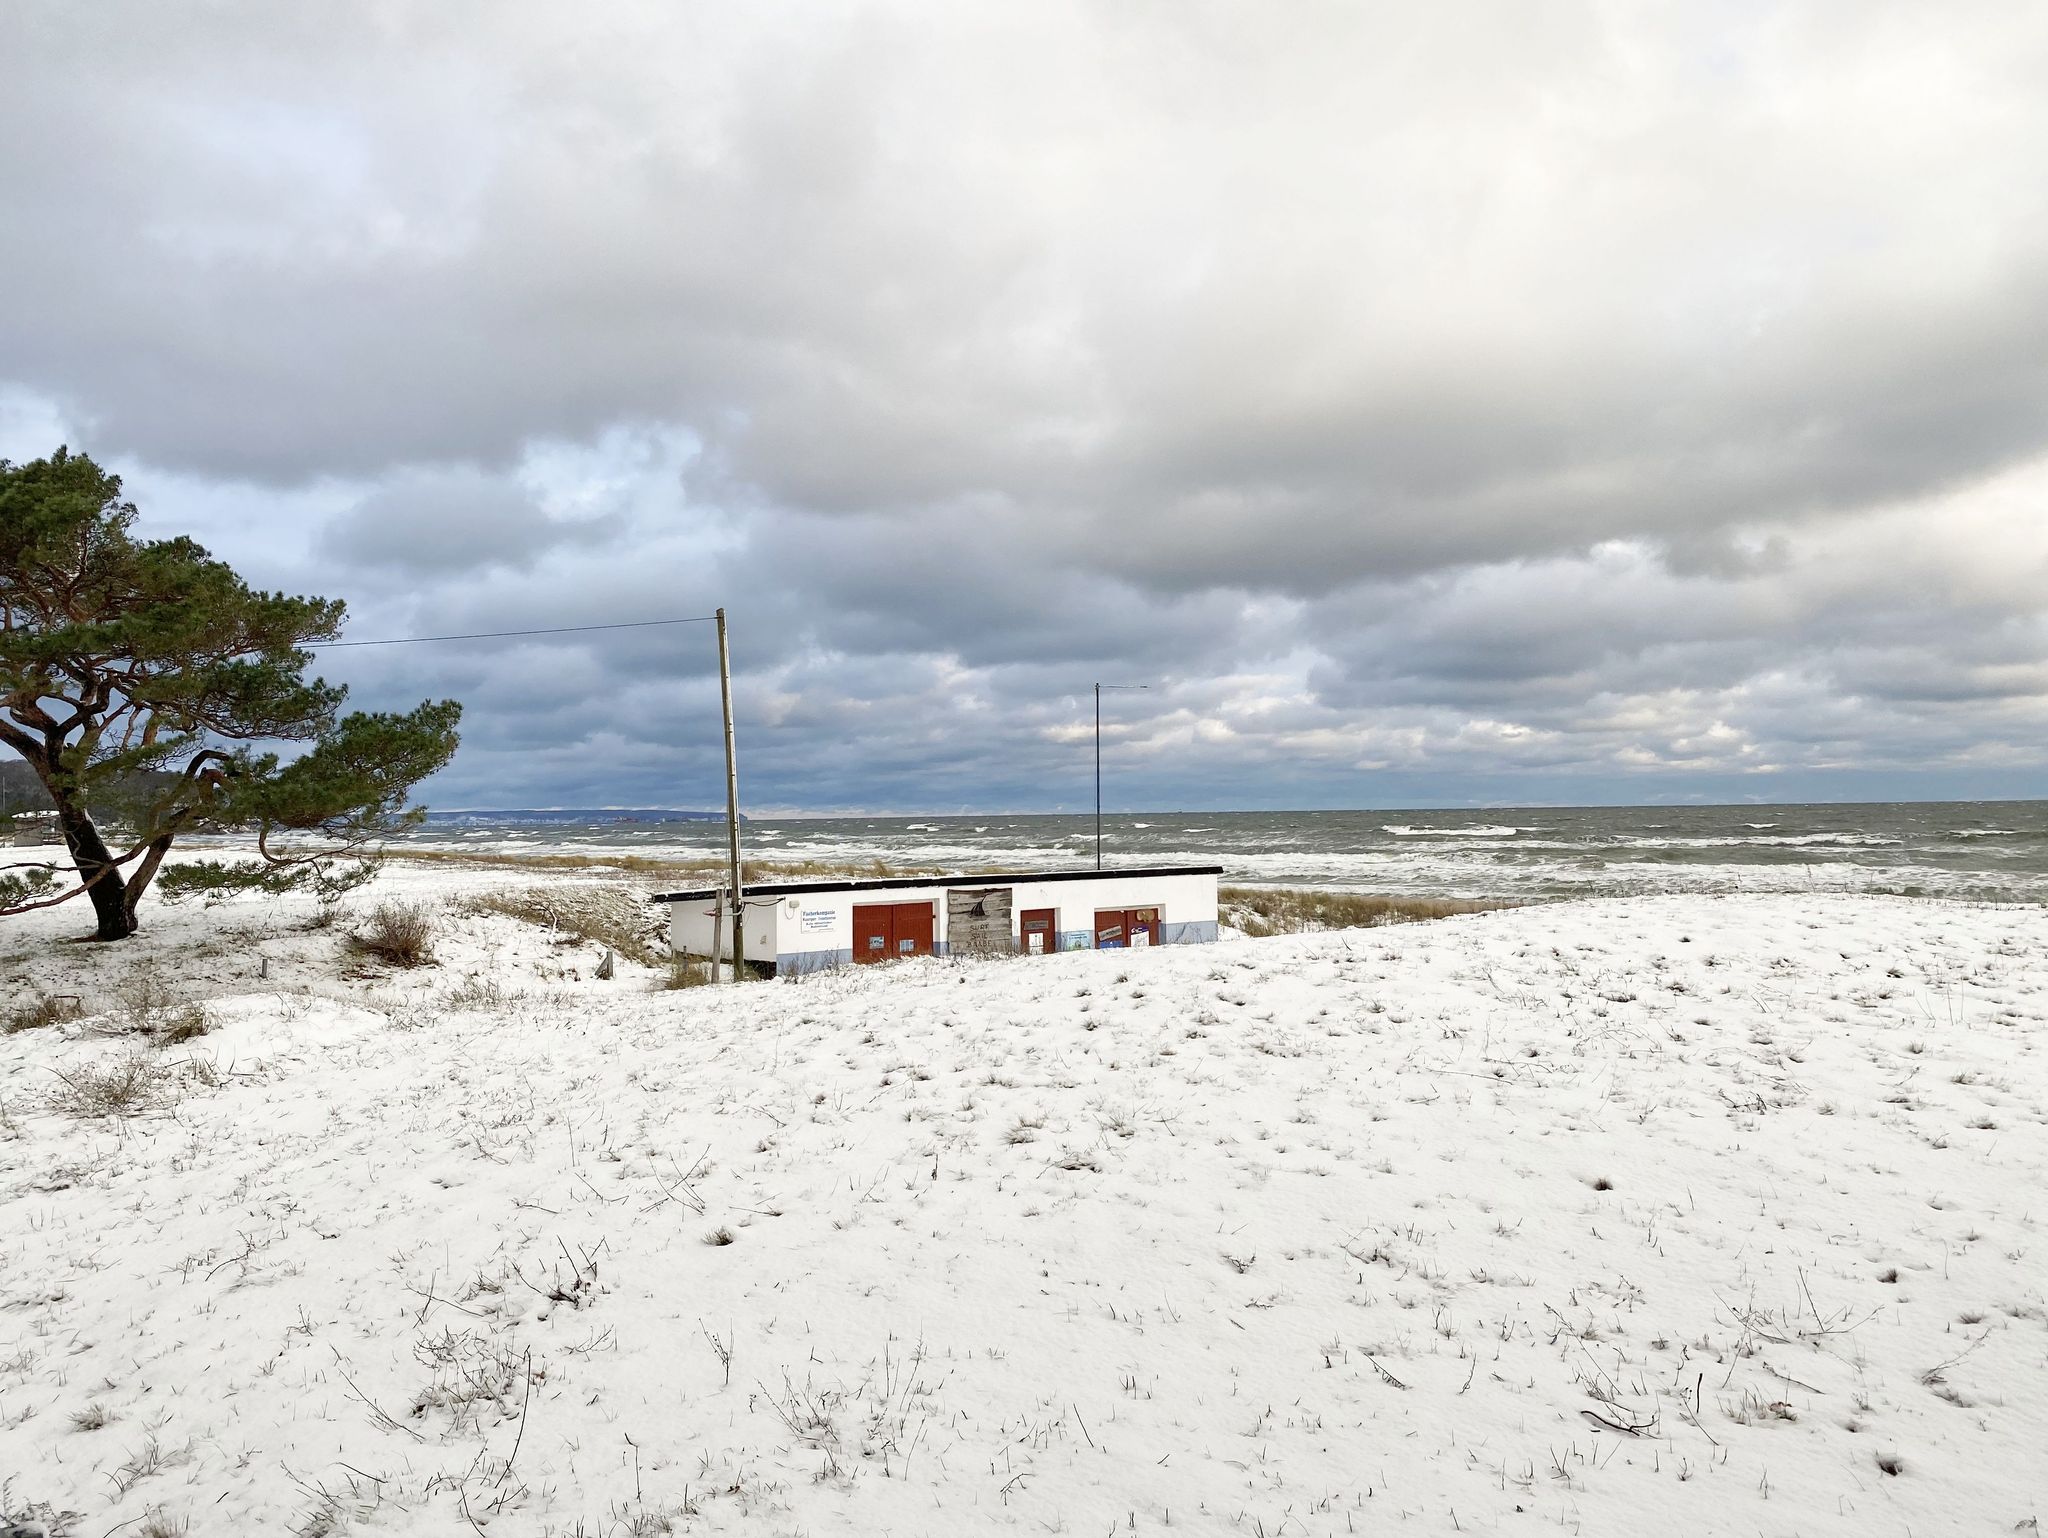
[706,869]
[612,916]
[1261,911]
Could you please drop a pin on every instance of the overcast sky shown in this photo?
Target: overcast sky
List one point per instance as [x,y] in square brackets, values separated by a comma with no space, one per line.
[1432,403]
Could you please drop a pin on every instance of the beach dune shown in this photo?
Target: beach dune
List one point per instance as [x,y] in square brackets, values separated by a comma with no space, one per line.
[1696,1214]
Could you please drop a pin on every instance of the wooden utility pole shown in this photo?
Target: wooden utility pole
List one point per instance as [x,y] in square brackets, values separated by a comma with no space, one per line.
[732,807]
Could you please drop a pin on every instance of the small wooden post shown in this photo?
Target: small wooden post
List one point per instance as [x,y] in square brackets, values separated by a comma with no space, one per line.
[717,933]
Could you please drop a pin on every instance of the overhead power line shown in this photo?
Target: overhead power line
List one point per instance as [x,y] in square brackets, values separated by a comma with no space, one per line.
[499,635]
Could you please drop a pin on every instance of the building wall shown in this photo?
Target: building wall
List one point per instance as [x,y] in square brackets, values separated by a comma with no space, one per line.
[690,925]
[33,828]
[804,932]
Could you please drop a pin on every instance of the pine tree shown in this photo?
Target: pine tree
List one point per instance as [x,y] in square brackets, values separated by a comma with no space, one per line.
[137,678]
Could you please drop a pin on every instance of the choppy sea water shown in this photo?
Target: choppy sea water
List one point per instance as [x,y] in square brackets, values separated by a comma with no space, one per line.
[1982,849]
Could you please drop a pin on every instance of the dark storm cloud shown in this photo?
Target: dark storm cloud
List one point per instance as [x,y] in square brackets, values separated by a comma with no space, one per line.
[1479,390]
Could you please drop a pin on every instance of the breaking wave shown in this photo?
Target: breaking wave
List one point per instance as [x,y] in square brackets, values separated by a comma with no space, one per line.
[1403,830]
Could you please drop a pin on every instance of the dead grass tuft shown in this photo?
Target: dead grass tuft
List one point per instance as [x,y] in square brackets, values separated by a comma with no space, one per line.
[151,1002]
[687,972]
[1262,911]
[397,934]
[39,1010]
[122,1087]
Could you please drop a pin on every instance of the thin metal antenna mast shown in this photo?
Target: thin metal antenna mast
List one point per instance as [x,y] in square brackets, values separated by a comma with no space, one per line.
[732,807]
[1098,760]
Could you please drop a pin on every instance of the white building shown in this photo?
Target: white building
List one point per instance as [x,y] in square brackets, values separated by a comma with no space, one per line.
[805,925]
[36,828]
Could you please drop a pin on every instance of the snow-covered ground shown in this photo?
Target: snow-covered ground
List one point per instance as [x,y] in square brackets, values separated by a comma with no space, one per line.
[1689,1215]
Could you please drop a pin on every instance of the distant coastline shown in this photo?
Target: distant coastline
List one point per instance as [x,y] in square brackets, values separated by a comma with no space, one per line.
[514,817]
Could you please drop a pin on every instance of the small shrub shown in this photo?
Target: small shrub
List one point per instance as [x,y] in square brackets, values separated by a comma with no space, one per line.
[41,1009]
[397,934]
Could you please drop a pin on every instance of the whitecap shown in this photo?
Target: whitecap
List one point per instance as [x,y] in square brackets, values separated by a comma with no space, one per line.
[1402,830]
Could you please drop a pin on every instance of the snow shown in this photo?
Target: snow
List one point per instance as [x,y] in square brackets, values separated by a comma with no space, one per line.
[1310,1235]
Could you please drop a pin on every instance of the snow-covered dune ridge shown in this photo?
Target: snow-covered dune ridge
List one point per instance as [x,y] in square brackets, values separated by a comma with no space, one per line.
[1694,1214]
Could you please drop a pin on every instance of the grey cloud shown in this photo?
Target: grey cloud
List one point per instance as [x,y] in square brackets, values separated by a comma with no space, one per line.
[1342,330]
[1414,396]
[454,520]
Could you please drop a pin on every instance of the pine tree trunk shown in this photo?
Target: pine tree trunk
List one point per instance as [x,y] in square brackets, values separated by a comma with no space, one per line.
[90,854]
[140,878]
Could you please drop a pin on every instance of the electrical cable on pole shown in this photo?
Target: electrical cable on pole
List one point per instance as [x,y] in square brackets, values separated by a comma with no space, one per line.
[499,635]
[732,779]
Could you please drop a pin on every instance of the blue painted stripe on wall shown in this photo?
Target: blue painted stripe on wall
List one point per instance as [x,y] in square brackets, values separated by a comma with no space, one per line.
[1192,932]
[796,963]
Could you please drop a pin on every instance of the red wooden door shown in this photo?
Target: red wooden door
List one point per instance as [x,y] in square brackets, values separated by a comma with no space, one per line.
[1038,932]
[884,931]
[873,932]
[1126,928]
[913,929]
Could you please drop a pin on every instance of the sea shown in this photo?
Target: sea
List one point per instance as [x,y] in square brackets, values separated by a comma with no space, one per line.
[1984,850]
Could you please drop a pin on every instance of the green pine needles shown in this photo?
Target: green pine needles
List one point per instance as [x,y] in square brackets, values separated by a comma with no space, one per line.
[136,678]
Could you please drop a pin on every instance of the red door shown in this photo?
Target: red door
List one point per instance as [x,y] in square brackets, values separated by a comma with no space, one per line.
[1141,927]
[1038,932]
[884,931]
[1126,928]
[913,933]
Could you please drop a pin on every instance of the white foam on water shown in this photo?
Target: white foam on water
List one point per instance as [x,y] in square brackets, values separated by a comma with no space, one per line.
[1403,830]
[1772,841]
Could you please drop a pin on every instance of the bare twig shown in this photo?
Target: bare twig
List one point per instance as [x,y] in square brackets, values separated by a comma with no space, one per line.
[375,1409]
[1384,1373]
[525,1405]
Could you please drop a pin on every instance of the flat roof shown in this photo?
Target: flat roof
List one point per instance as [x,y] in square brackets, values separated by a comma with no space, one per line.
[887,883]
